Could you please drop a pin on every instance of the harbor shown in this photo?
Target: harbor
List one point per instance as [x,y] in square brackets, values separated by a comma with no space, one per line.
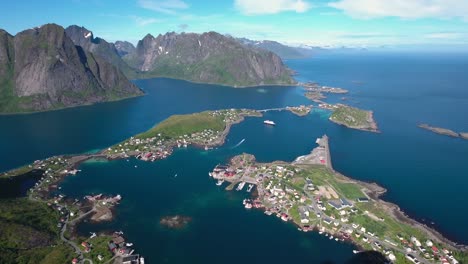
[310,194]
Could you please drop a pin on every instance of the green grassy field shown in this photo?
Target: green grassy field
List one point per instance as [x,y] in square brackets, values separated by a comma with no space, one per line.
[350,116]
[179,125]
[349,190]
[99,247]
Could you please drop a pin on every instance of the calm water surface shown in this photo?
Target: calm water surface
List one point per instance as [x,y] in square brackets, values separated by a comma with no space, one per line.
[425,173]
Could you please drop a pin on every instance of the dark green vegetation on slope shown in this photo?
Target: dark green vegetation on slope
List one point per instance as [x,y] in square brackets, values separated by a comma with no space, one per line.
[29,233]
[207,58]
[42,69]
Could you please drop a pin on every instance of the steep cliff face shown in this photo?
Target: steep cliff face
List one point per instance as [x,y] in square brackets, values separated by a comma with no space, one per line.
[7,58]
[124,47]
[208,58]
[99,47]
[48,71]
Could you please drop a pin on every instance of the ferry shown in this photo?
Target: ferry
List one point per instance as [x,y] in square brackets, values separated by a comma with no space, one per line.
[269,122]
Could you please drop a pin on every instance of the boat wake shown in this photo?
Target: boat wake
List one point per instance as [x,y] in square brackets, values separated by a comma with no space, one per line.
[238,144]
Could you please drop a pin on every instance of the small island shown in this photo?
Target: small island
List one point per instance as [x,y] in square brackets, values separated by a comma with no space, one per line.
[352,117]
[315,96]
[315,87]
[307,191]
[310,194]
[444,131]
[301,110]
[175,222]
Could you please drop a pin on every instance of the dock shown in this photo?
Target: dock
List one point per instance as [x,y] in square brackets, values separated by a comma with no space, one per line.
[319,155]
[231,186]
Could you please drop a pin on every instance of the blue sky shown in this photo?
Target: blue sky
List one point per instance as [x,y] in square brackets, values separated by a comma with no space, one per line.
[313,22]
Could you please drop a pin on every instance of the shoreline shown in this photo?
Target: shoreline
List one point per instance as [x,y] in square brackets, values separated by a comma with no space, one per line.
[295,84]
[370,119]
[73,106]
[373,191]
[444,131]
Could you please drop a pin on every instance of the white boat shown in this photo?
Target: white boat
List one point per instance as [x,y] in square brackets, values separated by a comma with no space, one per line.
[250,187]
[240,186]
[129,244]
[248,205]
[219,182]
[210,174]
[269,122]
[142,260]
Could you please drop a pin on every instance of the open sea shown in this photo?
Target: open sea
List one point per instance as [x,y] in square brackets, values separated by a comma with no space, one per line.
[425,173]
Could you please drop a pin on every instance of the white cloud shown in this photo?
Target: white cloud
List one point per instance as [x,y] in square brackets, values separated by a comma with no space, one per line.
[145,21]
[408,9]
[257,7]
[445,35]
[165,6]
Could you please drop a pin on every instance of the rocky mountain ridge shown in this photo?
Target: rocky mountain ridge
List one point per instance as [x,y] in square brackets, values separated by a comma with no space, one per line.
[207,58]
[42,69]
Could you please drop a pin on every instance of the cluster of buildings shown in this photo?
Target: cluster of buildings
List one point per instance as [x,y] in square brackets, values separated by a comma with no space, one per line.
[328,106]
[161,146]
[315,87]
[300,110]
[285,191]
[120,248]
[231,116]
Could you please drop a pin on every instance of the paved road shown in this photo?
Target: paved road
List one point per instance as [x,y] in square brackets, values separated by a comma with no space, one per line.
[71,243]
[345,226]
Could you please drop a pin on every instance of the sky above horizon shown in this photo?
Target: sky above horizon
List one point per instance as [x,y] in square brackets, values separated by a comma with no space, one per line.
[369,23]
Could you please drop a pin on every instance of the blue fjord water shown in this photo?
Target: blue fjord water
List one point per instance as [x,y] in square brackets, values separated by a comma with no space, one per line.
[425,173]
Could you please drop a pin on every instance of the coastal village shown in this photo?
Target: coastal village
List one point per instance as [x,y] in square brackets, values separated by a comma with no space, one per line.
[307,192]
[98,248]
[310,194]
[159,143]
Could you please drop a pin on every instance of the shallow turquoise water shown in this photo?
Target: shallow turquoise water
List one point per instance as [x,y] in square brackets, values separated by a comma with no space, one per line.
[425,173]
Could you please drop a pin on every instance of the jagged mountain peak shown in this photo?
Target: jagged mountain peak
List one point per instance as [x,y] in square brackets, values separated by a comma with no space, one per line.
[43,69]
[207,57]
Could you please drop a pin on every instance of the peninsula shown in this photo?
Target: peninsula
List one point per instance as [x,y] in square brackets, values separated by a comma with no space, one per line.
[309,193]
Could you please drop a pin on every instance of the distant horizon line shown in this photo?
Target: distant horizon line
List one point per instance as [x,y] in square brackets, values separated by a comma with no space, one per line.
[421,47]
